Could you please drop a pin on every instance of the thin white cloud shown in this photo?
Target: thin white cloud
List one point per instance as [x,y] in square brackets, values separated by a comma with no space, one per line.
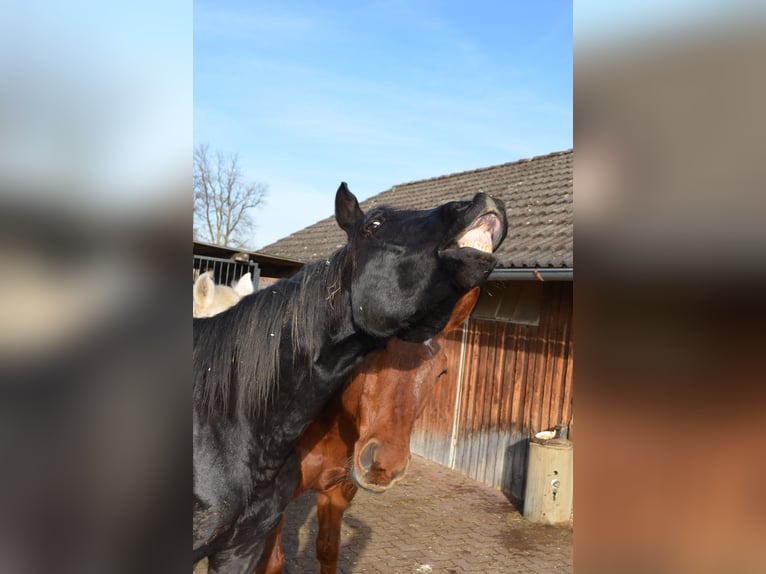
[321,95]
[217,20]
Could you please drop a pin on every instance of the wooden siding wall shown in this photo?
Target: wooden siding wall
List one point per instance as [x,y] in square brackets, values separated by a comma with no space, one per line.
[516,381]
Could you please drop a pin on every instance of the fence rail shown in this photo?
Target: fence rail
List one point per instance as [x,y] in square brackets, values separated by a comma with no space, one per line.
[225,271]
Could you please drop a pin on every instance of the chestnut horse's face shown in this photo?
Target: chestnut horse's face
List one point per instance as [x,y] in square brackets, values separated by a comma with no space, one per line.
[396,384]
[388,396]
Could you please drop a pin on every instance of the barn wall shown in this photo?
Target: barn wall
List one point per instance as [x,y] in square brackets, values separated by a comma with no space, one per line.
[505,383]
[432,433]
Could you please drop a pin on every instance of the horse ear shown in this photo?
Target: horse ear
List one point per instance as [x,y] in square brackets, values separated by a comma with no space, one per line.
[204,288]
[347,211]
[243,286]
[463,308]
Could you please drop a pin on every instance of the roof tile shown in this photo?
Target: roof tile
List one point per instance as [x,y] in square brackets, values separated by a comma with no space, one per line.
[537,193]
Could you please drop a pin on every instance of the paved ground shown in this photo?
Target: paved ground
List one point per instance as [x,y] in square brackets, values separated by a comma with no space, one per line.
[434,520]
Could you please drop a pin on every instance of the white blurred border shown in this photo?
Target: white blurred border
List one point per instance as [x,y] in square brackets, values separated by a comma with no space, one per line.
[96,101]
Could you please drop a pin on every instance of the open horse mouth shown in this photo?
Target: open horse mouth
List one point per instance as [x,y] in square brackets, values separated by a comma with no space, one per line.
[484,234]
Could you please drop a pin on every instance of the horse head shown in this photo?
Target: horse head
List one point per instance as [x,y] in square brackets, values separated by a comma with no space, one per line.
[409,268]
[211,299]
[393,392]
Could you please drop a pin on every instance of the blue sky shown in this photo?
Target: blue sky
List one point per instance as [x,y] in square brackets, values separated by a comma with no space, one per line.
[376,93]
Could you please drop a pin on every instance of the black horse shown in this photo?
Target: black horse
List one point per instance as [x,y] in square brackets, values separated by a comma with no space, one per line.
[265,368]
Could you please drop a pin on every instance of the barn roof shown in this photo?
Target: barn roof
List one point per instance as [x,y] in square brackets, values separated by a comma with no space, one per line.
[537,193]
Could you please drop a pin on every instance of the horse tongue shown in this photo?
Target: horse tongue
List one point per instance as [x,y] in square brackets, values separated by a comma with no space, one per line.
[479,238]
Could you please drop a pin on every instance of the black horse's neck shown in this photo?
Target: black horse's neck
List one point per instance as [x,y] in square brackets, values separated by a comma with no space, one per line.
[282,352]
[319,348]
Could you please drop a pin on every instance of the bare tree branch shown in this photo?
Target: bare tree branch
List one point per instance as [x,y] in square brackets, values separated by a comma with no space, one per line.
[223,200]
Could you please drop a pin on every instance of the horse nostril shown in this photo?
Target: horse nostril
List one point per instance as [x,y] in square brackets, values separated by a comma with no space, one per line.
[401,472]
[368,456]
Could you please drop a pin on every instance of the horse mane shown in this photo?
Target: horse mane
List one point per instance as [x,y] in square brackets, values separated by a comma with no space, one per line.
[236,354]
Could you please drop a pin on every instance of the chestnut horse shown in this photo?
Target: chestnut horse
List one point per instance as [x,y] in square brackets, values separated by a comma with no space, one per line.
[362,439]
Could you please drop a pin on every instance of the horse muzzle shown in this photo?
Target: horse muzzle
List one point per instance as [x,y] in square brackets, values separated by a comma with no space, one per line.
[377,473]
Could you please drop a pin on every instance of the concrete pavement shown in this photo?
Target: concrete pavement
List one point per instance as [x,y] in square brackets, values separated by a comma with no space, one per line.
[434,521]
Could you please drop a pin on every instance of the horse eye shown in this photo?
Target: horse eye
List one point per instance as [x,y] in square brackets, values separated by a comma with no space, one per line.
[373,225]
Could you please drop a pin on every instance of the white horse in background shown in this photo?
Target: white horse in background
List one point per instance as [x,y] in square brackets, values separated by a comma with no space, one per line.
[211,299]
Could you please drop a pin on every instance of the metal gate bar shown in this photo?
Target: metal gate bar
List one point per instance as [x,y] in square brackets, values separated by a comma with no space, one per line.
[225,271]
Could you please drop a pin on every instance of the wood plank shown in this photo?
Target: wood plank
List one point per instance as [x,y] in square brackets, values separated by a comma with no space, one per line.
[517,380]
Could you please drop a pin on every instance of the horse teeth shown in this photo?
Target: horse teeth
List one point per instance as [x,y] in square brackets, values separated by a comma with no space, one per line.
[476,245]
